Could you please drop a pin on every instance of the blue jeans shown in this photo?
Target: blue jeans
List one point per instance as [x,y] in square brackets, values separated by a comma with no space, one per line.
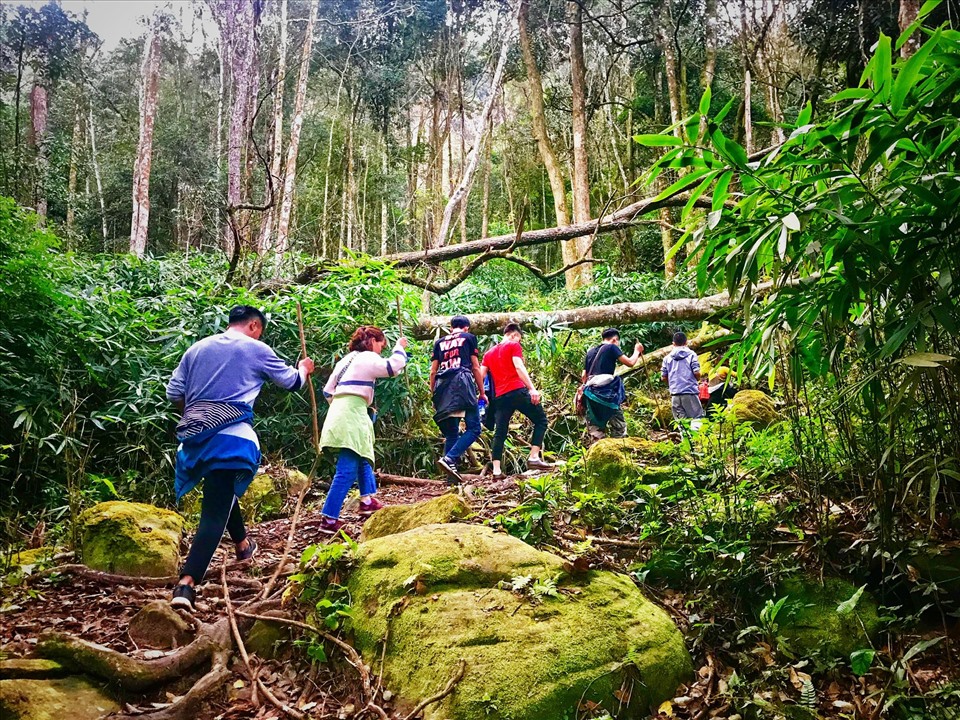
[455,444]
[351,469]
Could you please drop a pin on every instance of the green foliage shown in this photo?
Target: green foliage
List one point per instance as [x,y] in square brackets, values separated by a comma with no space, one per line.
[531,520]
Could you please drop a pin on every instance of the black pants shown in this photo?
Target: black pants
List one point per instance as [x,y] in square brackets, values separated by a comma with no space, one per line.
[219,511]
[507,404]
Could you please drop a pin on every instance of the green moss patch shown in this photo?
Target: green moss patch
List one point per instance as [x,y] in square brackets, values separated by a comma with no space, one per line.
[400,518]
[71,697]
[755,407]
[613,462]
[437,588]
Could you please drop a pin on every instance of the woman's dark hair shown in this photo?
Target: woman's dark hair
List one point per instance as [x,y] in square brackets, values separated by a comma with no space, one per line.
[363,336]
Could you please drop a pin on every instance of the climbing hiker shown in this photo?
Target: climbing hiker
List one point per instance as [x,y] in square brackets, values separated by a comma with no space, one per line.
[514,391]
[457,386]
[722,388]
[681,371]
[348,426]
[603,391]
[215,385]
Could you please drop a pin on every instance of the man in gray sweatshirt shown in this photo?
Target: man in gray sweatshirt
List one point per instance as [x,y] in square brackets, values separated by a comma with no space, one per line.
[681,371]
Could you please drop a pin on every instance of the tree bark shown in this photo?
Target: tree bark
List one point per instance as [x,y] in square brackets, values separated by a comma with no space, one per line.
[485,221]
[580,180]
[38,125]
[149,79]
[296,125]
[462,191]
[909,10]
[265,241]
[538,123]
[710,52]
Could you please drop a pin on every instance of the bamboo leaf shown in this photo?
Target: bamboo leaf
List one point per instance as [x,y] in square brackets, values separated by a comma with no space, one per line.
[657,140]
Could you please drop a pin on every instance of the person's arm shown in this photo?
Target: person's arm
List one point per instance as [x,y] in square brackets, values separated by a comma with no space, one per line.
[176,387]
[663,370]
[695,366]
[478,376]
[632,360]
[525,377]
[434,364]
[275,370]
[382,367]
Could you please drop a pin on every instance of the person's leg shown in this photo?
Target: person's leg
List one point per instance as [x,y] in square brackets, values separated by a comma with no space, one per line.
[617,425]
[216,509]
[366,479]
[695,407]
[676,406]
[450,428]
[538,417]
[472,421]
[504,413]
[348,465]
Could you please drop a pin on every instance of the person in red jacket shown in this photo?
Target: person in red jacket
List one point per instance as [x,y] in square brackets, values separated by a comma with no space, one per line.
[514,391]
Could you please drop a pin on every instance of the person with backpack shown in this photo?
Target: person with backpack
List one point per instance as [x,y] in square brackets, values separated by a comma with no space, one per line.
[348,427]
[514,392]
[215,386]
[602,390]
[681,372]
[457,386]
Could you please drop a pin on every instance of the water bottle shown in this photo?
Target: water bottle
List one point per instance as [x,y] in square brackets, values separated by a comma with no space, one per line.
[482,407]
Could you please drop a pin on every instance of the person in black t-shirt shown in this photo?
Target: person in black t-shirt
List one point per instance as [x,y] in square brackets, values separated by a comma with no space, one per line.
[603,391]
[457,385]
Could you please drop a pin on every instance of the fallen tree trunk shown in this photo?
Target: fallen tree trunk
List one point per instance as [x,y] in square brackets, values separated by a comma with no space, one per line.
[620,220]
[599,315]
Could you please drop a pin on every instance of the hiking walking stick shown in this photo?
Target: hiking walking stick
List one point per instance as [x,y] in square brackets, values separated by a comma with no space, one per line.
[406,376]
[313,393]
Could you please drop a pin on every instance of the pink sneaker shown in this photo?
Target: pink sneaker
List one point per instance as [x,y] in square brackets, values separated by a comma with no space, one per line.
[370,507]
[331,526]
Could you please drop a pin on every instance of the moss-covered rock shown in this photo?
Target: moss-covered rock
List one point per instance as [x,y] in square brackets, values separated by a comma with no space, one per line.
[813,618]
[660,409]
[267,639]
[33,556]
[400,518]
[71,697]
[755,407]
[159,626]
[32,669]
[262,500]
[131,539]
[612,462]
[437,588]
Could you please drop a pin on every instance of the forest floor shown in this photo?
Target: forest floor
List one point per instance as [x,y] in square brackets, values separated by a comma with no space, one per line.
[87,607]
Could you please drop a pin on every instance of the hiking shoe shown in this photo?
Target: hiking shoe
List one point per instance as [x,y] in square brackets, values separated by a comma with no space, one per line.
[184,596]
[249,552]
[331,526]
[450,468]
[539,464]
[370,507]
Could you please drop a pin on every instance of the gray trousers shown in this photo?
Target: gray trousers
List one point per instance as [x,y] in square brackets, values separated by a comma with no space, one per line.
[686,406]
[616,427]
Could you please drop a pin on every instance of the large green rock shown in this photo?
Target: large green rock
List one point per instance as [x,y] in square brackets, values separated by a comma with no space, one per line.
[131,539]
[814,620]
[613,462]
[662,415]
[72,697]
[262,500]
[400,518]
[755,407]
[438,590]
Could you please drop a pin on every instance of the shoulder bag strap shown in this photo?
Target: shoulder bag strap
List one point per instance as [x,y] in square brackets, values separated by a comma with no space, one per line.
[596,358]
[343,372]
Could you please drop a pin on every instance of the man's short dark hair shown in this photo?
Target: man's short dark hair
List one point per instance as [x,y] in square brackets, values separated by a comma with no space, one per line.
[460,322]
[246,313]
[679,338]
[610,333]
[511,328]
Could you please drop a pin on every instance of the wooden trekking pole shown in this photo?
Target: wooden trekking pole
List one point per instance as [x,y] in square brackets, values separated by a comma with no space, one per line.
[646,375]
[406,376]
[313,393]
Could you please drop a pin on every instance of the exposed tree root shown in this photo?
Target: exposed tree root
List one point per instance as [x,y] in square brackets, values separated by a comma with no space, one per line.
[388,479]
[188,707]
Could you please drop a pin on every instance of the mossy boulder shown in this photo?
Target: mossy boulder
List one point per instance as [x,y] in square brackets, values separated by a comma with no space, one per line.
[442,591]
[395,519]
[33,556]
[821,617]
[131,539]
[263,498]
[660,409]
[613,462]
[71,697]
[267,639]
[755,407]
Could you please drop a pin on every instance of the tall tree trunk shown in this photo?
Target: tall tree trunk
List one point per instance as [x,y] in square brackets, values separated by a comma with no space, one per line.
[265,241]
[38,125]
[485,221]
[664,215]
[747,79]
[324,217]
[237,21]
[665,35]
[75,142]
[94,160]
[909,9]
[710,22]
[17,150]
[538,122]
[296,125]
[149,84]
[384,211]
[462,191]
[580,179]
